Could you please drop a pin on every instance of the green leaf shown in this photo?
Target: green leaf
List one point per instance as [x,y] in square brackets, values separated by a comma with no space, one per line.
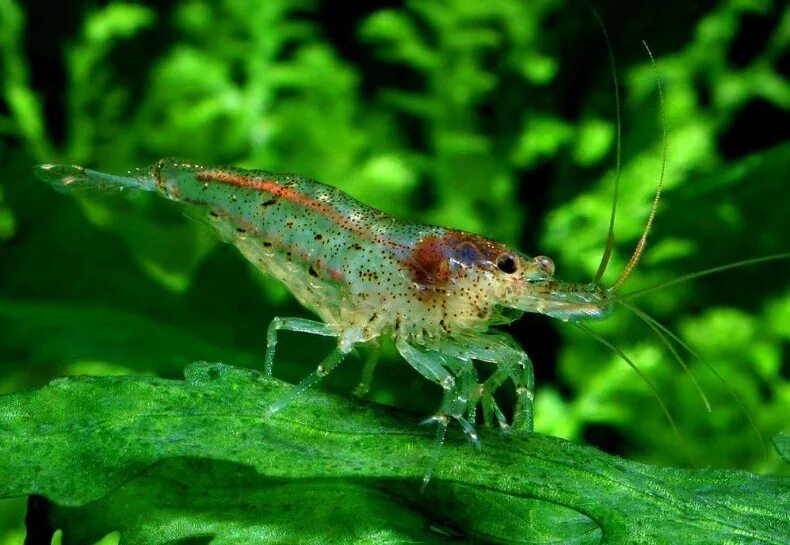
[782,443]
[128,451]
[184,498]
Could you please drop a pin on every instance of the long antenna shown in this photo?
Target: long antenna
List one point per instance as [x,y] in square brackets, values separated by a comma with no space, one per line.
[705,272]
[623,356]
[607,251]
[640,246]
[709,366]
[654,326]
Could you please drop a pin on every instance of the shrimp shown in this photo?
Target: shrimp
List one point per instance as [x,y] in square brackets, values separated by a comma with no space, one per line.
[436,291]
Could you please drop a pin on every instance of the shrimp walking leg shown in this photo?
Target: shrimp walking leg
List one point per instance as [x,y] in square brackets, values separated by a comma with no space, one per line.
[511,361]
[431,365]
[324,368]
[458,380]
[458,389]
[515,363]
[291,324]
[491,409]
[371,361]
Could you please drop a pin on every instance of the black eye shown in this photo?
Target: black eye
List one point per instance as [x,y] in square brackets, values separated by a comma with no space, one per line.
[506,263]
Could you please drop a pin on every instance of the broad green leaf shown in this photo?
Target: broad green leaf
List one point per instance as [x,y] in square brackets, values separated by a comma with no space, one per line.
[79,439]
[188,498]
[782,443]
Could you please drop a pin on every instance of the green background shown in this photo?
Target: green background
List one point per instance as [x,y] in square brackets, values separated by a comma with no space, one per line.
[495,117]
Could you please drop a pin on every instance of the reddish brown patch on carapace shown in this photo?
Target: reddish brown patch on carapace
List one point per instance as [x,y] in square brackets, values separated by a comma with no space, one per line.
[430,261]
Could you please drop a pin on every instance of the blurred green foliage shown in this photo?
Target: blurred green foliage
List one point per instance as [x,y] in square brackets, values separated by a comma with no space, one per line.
[496,117]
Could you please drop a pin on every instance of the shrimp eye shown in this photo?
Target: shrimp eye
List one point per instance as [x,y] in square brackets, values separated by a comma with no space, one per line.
[507,263]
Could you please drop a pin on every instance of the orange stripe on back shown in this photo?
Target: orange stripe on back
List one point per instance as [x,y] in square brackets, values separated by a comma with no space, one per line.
[278,190]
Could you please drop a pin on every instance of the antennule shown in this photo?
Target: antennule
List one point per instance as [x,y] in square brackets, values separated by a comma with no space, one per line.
[640,246]
[607,251]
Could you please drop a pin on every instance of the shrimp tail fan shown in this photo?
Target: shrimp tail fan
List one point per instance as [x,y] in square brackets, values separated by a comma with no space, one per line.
[72,177]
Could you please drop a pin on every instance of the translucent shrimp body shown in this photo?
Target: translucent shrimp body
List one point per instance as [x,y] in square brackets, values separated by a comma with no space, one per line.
[435,291]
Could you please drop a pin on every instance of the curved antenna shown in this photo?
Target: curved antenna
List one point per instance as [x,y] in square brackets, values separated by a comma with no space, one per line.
[705,272]
[650,320]
[652,324]
[640,246]
[607,251]
[644,378]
